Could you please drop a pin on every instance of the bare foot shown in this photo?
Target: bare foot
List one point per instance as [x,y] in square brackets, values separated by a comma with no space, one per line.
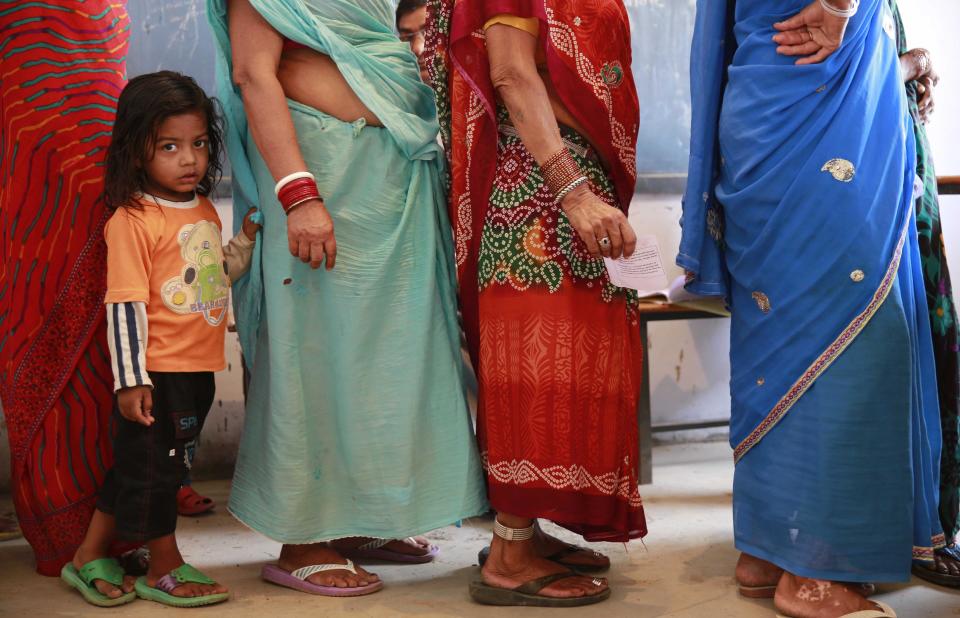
[95,543]
[165,557]
[293,557]
[86,554]
[514,563]
[800,597]
[755,573]
[546,545]
[411,546]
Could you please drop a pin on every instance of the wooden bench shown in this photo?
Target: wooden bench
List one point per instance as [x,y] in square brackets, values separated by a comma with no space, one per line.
[948,185]
[658,312]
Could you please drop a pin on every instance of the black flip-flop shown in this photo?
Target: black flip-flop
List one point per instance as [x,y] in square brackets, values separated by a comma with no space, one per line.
[936,577]
[557,557]
[527,595]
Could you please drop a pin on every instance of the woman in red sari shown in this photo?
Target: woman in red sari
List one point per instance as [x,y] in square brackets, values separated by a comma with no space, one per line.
[61,72]
[540,117]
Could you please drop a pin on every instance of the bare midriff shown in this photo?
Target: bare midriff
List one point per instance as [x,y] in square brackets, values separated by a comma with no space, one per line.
[313,79]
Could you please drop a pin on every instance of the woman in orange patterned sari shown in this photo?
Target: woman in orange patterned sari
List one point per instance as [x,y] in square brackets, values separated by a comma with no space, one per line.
[61,72]
[540,116]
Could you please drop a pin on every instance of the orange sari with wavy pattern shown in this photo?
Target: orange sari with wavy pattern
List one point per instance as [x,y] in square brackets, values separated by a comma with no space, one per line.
[555,345]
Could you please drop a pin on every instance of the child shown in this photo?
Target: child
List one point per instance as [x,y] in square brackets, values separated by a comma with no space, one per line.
[168,279]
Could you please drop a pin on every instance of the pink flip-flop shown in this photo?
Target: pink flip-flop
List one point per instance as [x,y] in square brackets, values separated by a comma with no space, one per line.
[297,580]
[375,550]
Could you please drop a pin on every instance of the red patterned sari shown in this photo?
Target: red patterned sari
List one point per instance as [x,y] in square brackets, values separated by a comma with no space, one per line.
[61,71]
[555,345]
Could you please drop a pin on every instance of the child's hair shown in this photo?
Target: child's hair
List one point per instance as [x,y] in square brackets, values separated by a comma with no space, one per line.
[146,102]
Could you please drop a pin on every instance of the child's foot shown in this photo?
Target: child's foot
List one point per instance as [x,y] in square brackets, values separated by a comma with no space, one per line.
[86,555]
[168,583]
[169,574]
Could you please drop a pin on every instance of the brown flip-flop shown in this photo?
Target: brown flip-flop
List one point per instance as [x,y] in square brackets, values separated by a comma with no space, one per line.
[936,577]
[528,594]
[559,558]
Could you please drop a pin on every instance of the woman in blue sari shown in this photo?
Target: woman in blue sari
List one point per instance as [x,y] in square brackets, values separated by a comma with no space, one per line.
[799,210]
[357,433]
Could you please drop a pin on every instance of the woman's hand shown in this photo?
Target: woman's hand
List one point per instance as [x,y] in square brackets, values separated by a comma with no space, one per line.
[594,220]
[310,234]
[927,80]
[812,33]
[915,65]
[925,101]
[136,404]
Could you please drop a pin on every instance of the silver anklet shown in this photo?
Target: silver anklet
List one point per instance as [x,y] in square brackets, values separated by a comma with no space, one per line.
[512,534]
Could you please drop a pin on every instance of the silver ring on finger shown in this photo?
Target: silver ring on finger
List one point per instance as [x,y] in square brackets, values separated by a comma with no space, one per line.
[597,582]
[604,242]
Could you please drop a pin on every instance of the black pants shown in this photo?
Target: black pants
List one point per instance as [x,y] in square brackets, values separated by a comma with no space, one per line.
[150,462]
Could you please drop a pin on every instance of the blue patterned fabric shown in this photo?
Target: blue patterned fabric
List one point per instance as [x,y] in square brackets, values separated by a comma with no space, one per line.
[799,210]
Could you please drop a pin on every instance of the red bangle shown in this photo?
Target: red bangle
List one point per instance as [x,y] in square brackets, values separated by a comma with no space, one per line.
[559,173]
[297,192]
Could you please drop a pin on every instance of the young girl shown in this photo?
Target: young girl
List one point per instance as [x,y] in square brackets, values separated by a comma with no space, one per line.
[168,279]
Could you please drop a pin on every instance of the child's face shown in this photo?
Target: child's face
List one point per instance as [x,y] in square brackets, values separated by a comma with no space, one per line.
[178,161]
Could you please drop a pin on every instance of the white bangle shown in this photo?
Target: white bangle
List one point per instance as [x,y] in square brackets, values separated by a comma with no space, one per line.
[843,13]
[289,178]
[564,192]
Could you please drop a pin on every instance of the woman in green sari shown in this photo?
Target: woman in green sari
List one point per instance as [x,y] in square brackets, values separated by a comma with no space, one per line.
[357,431]
[920,79]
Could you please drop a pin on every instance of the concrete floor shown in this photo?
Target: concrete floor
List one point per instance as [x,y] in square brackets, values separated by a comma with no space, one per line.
[682,569]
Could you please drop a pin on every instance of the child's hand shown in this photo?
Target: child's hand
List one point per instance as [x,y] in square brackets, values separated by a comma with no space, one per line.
[136,404]
[249,227]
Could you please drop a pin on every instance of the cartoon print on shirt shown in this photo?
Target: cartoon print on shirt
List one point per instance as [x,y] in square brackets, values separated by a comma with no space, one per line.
[202,286]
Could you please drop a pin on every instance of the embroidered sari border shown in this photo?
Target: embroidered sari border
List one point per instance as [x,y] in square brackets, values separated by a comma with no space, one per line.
[926,554]
[566,477]
[823,362]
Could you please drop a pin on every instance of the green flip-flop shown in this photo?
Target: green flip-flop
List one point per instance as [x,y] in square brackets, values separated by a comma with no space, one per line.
[106,569]
[183,574]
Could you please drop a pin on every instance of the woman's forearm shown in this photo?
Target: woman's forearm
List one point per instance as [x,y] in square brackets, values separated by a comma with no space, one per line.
[271,125]
[255,73]
[513,71]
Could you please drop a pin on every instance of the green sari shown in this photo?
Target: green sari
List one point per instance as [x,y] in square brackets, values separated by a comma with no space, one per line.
[357,422]
[942,312]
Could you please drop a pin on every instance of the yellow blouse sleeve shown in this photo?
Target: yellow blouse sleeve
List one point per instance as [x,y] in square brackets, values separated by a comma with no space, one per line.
[527,24]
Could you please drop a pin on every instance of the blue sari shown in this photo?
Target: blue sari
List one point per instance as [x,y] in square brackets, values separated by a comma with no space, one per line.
[799,210]
[356,422]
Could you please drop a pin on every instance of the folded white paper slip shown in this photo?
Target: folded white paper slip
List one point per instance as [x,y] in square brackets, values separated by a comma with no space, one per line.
[641,271]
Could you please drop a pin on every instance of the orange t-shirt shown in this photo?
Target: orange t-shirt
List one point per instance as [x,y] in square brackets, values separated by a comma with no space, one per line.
[169,255]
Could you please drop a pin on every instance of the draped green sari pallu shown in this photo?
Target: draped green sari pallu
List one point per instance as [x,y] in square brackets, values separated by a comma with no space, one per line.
[799,209]
[356,422]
